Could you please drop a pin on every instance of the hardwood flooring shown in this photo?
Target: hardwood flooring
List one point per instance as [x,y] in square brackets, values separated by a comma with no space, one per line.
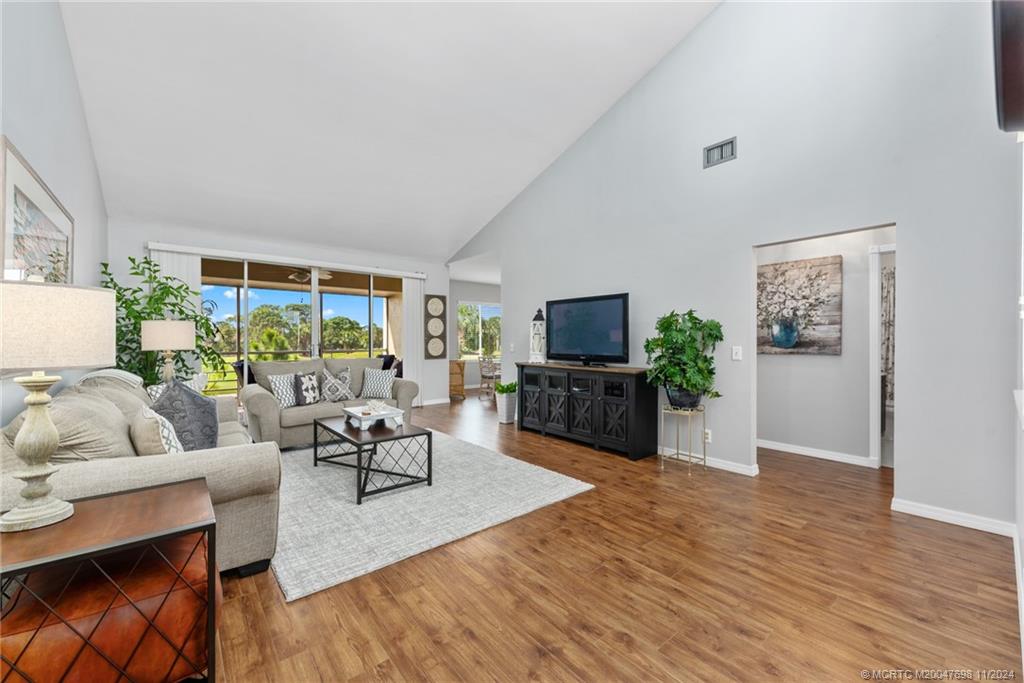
[801,573]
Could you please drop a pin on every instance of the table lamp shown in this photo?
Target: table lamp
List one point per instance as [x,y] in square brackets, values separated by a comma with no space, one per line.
[48,326]
[168,336]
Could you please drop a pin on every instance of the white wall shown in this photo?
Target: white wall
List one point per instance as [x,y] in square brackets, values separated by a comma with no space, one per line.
[847,115]
[128,237]
[42,116]
[821,402]
[468,292]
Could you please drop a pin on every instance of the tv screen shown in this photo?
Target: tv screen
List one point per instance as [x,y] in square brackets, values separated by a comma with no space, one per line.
[590,329]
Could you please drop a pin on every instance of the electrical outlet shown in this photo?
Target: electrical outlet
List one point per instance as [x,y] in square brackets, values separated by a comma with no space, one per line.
[707,436]
[511,347]
[737,353]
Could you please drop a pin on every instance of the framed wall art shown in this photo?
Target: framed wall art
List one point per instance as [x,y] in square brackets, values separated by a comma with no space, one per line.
[800,307]
[38,232]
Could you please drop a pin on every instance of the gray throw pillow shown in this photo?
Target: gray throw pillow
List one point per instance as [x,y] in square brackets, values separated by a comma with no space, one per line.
[193,416]
[307,389]
[377,383]
[338,388]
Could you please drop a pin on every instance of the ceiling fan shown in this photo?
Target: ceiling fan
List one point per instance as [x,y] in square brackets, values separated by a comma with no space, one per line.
[304,276]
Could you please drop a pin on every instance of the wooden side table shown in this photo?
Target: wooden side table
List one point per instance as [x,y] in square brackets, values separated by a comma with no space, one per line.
[457,379]
[126,589]
[679,413]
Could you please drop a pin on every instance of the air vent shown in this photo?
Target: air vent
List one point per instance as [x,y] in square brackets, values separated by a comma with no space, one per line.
[720,152]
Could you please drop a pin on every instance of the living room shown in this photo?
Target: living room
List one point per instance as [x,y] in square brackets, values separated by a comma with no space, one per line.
[349,233]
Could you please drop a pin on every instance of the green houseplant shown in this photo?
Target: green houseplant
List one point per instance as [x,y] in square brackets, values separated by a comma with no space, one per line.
[505,398]
[681,357]
[159,297]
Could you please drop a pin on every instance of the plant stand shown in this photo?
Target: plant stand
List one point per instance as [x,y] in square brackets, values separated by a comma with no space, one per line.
[689,413]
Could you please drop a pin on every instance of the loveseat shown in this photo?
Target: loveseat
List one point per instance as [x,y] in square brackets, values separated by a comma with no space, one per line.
[293,426]
[243,477]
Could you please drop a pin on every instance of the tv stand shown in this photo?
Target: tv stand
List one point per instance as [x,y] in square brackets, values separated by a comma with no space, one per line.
[608,407]
[588,364]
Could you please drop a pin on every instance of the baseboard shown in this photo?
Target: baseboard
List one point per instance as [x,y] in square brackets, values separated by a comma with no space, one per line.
[471,386]
[717,463]
[435,401]
[993,526]
[1020,588]
[835,456]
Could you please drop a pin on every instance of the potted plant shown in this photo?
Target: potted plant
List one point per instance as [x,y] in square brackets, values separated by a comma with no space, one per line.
[505,398]
[155,296]
[680,357]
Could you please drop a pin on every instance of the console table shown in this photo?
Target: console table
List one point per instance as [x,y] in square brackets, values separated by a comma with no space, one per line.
[608,407]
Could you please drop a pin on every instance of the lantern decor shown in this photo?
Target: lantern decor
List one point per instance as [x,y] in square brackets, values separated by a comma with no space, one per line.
[538,338]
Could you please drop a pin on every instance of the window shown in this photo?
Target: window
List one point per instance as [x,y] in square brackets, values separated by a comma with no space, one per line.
[479,330]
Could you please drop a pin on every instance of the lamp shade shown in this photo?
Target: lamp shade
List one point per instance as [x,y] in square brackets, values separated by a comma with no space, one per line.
[56,326]
[168,335]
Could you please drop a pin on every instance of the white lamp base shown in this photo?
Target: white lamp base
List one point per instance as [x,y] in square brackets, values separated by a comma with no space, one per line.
[35,443]
[51,511]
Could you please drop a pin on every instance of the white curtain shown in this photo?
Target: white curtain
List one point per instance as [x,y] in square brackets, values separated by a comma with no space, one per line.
[186,267]
[412,333]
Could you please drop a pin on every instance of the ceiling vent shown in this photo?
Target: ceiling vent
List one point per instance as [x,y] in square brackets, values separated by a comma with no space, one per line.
[720,152]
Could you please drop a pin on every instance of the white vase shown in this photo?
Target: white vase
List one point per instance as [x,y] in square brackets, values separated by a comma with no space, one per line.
[506,408]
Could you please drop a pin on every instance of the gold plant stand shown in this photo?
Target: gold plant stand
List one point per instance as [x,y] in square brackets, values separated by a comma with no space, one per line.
[689,413]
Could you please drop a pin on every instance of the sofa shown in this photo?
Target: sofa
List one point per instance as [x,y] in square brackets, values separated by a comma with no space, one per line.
[293,426]
[243,477]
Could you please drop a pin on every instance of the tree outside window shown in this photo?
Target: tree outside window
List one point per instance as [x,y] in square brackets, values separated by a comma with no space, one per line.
[479,330]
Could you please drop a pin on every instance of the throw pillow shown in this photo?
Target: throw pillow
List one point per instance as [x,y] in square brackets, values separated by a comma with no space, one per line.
[90,427]
[377,383]
[307,389]
[193,416]
[197,384]
[153,434]
[283,388]
[338,388]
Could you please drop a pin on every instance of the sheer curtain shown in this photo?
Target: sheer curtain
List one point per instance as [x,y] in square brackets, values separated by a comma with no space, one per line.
[186,267]
[412,333]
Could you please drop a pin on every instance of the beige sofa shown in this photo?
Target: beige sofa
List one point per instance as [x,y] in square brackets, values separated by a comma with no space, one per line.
[294,426]
[243,477]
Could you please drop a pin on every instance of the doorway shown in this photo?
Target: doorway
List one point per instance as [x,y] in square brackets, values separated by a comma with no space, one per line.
[882,352]
[818,362]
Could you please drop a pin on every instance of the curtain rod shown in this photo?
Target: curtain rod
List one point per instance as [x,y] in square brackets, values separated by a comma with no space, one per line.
[282,260]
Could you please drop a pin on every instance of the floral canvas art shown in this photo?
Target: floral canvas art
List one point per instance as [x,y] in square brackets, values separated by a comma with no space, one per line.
[800,307]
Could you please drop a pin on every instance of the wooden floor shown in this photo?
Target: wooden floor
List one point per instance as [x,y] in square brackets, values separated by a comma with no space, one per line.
[802,573]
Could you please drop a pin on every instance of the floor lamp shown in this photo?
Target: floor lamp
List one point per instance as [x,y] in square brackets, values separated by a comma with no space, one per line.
[45,326]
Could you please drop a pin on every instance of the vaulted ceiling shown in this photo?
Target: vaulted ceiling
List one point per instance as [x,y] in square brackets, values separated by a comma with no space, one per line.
[389,127]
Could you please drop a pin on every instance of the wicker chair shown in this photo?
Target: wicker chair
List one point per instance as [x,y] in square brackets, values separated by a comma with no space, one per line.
[490,371]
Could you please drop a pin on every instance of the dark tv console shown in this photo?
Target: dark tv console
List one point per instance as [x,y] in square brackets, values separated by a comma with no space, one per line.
[614,407]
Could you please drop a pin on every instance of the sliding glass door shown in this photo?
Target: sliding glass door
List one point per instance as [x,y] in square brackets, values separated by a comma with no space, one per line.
[267,311]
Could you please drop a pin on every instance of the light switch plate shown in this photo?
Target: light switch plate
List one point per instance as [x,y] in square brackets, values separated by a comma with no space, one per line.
[737,353]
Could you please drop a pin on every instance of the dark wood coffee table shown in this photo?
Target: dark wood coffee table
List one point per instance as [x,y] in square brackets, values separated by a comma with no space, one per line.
[385,458]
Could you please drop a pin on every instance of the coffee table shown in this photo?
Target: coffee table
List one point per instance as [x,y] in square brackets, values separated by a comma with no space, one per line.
[385,458]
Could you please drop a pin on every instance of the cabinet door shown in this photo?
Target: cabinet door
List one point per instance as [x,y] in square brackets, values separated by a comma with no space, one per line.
[556,401]
[531,407]
[582,399]
[613,427]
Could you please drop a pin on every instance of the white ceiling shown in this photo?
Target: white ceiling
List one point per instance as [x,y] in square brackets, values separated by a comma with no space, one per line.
[484,268]
[390,127]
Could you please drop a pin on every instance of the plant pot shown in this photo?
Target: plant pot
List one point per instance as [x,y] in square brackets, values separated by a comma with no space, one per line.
[785,333]
[506,404]
[680,398]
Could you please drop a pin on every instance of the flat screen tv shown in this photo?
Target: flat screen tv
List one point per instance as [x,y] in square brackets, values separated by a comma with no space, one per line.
[593,329]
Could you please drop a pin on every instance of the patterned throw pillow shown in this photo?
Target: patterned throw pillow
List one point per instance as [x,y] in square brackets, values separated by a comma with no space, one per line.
[338,388]
[307,389]
[153,434]
[377,383]
[283,388]
[196,384]
[193,416]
